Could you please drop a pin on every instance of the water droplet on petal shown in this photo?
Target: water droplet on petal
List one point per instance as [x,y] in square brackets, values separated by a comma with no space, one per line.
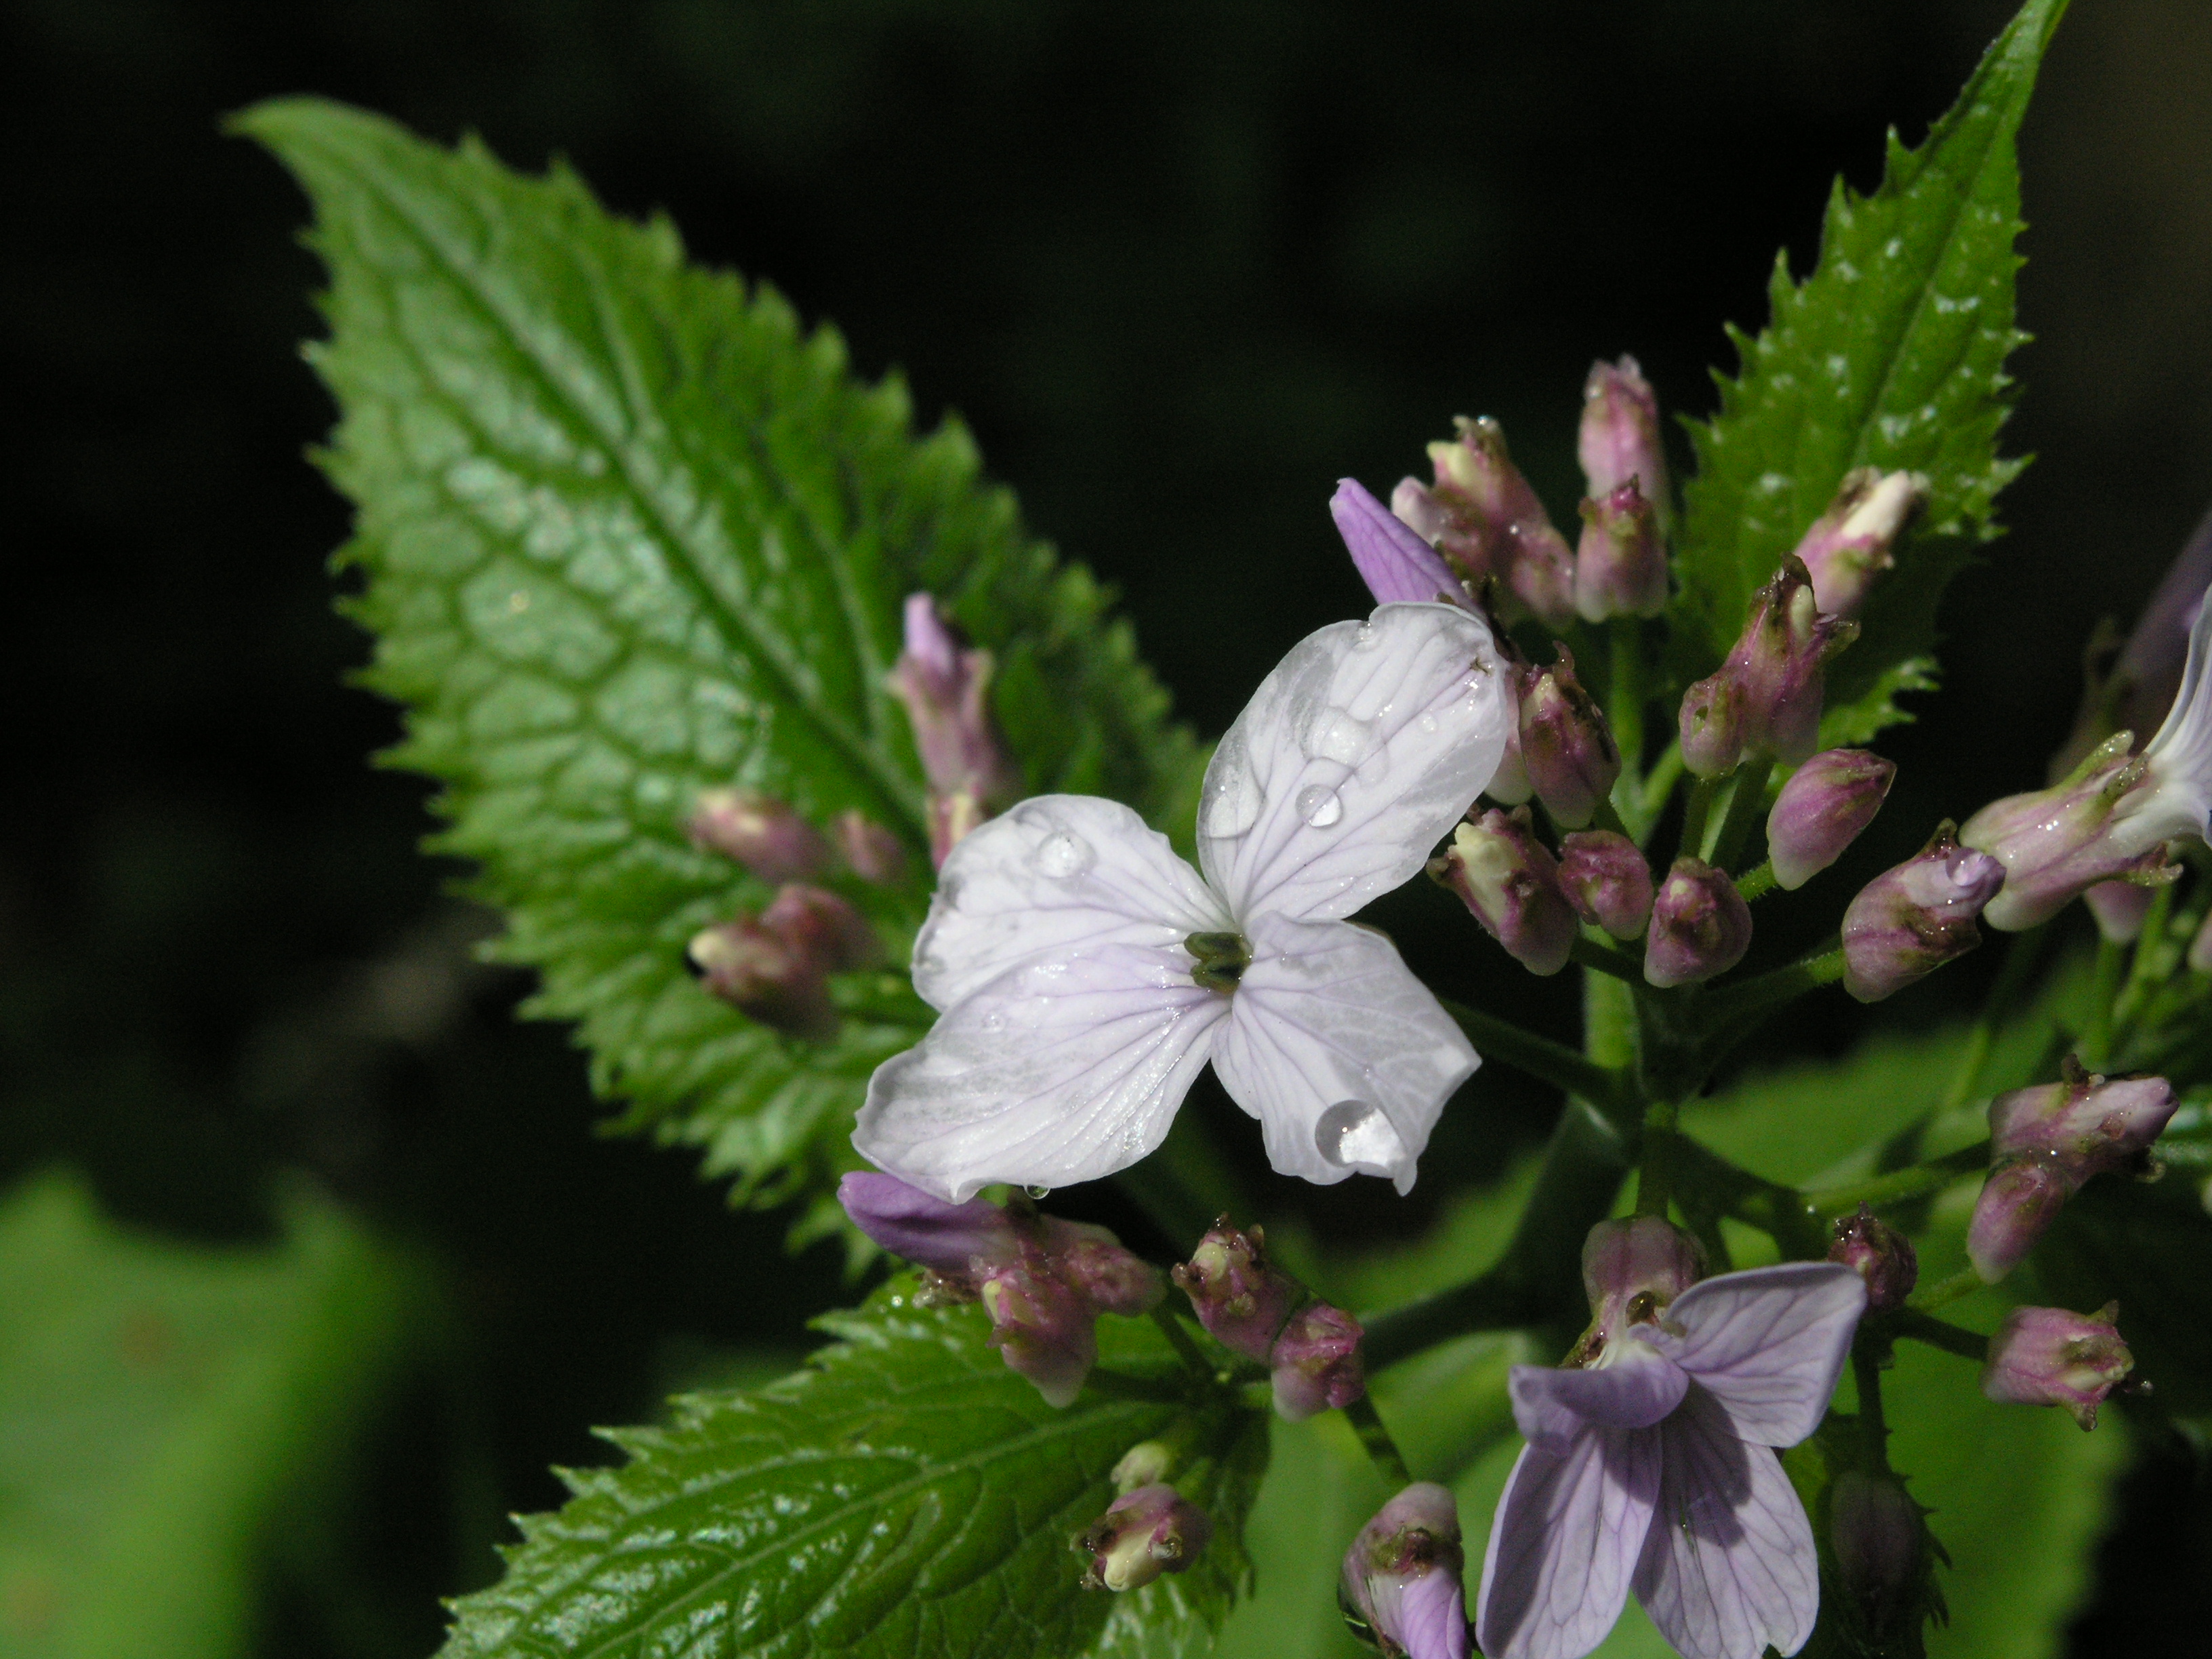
[1366,639]
[1040,1193]
[1061,855]
[1354,1135]
[1335,735]
[1320,805]
[1428,725]
[1232,801]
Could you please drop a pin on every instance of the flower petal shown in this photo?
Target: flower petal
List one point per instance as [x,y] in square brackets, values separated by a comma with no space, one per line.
[1342,1055]
[1728,1567]
[1565,1543]
[1352,759]
[1052,874]
[1554,1406]
[1068,1069]
[1393,560]
[1767,1343]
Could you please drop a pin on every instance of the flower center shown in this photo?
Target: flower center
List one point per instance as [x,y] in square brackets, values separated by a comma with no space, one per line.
[1221,960]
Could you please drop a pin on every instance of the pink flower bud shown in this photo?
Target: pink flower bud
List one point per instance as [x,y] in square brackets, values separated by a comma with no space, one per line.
[2049,1357]
[1880,1255]
[1910,920]
[1879,1539]
[1043,1326]
[1606,881]
[1849,545]
[1619,441]
[2121,907]
[1316,1362]
[1700,926]
[1565,743]
[1632,1269]
[1510,881]
[869,851]
[1765,699]
[758,971]
[760,832]
[824,927]
[1111,1278]
[1494,527]
[946,690]
[1820,810]
[2045,1142]
[1238,1296]
[1142,1534]
[959,1241]
[1392,559]
[1402,1588]
[1620,567]
[2056,842]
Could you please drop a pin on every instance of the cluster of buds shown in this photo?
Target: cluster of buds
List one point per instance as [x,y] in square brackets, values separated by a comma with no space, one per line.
[1402,1588]
[2045,1142]
[1145,1532]
[771,839]
[1764,700]
[2049,1357]
[1879,1254]
[1042,1280]
[946,687]
[1259,1313]
[1910,920]
[1481,514]
[1620,567]
[776,967]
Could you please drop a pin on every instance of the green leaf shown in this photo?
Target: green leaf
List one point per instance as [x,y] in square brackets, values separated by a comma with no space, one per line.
[906,1495]
[1891,355]
[628,531]
[2149,1248]
[170,1410]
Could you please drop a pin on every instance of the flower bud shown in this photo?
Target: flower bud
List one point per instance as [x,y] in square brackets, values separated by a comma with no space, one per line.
[1619,443]
[952,819]
[2121,907]
[1565,743]
[829,932]
[945,688]
[1112,1278]
[1392,558]
[1880,1255]
[1849,545]
[1492,527]
[1142,1534]
[869,851]
[1316,1362]
[1606,881]
[958,1242]
[1238,1296]
[1041,1325]
[2049,1357]
[1510,882]
[1910,920]
[762,974]
[1620,567]
[2045,1142]
[1509,785]
[1632,1269]
[2059,841]
[1880,1540]
[1402,1588]
[760,832]
[1147,1463]
[1765,699]
[1700,926]
[1820,810]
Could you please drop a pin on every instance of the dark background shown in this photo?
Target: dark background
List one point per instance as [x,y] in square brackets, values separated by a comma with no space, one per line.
[1179,265]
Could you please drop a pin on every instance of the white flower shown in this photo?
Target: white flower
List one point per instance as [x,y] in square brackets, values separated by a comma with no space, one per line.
[1085,974]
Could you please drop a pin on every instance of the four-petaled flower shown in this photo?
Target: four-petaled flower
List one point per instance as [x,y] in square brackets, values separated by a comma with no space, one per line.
[1085,974]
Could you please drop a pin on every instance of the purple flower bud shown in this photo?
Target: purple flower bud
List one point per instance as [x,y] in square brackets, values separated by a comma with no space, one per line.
[2049,1357]
[869,851]
[1238,1296]
[2121,907]
[1494,528]
[1393,560]
[760,832]
[1700,926]
[1620,567]
[1316,1362]
[1402,1588]
[758,971]
[1879,1539]
[1632,1269]
[2059,841]
[952,819]
[1606,881]
[1142,1534]
[959,1241]
[1565,743]
[1910,920]
[945,688]
[1043,1326]
[1620,443]
[1093,1260]
[1820,810]
[823,928]
[1510,882]
[1880,1255]
[1849,545]
[1765,699]
[2045,1142]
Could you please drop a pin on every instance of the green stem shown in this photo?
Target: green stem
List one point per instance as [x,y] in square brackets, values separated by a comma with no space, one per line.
[1754,998]
[1944,1291]
[2144,975]
[1625,697]
[1700,807]
[1553,1063]
[1894,1188]
[2103,988]
[1390,1462]
[1938,1334]
[1782,1214]
[2022,957]
[1180,1341]
[1867,1353]
[1655,1175]
[1756,883]
[1666,772]
[1746,806]
[1606,959]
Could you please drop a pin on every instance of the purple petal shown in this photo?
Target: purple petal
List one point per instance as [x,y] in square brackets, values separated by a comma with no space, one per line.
[1394,562]
[1432,1617]
[1767,1343]
[925,1230]
[1565,1543]
[1728,1567]
[1554,1406]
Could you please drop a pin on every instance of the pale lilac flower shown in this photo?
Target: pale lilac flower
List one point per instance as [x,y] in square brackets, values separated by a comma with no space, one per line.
[1085,974]
[1652,1467]
[1401,1576]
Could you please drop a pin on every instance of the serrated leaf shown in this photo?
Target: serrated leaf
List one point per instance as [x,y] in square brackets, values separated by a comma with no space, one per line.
[165,1406]
[628,532]
[906,1495]
[1891,355]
